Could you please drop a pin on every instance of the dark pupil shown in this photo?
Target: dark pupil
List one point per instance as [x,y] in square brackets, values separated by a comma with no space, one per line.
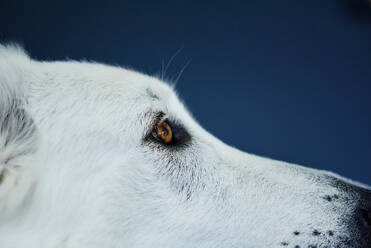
[164,130]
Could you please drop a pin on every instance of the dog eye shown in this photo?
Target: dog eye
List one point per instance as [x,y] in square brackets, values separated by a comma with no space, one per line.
[164,132]
[169,133]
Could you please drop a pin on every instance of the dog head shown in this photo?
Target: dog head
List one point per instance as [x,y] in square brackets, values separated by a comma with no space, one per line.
[99,156]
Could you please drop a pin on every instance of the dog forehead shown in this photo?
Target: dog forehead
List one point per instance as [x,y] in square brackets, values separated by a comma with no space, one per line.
[103,78]
[102,86]
[114,92]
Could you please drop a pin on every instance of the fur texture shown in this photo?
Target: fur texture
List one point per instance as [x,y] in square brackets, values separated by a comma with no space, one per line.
[79,167]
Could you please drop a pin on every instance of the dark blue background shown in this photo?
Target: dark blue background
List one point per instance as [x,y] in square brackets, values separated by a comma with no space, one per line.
[289,80]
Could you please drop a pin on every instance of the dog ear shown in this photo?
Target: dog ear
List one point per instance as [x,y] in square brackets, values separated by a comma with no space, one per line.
[18,133]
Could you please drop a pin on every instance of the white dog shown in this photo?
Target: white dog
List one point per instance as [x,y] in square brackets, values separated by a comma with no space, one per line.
[100,156]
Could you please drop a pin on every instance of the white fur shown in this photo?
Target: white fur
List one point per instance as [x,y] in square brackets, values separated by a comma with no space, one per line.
[86,178]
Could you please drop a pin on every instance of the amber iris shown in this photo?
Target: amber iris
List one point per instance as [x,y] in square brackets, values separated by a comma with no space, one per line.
[164,132]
